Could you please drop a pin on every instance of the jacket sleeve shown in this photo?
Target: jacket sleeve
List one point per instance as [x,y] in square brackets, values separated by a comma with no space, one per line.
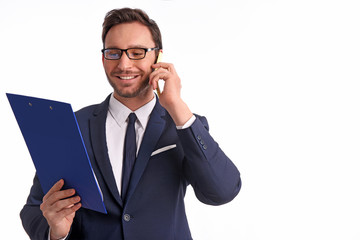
[214,177]
[31,216]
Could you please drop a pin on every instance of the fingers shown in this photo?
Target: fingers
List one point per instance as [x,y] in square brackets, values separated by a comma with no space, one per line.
[61,209]
[165,66]
[59,195]
[66,211]
[59,205]
[55,193]
[156,76]
[57,200]
[57,187]
[163,71]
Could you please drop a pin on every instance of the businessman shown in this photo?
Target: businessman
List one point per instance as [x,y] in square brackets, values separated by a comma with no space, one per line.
[145,149]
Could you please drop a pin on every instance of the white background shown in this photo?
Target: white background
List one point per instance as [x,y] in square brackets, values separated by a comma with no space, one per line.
[278,81]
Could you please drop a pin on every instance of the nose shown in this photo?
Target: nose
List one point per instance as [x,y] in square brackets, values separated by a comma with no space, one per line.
[124,62]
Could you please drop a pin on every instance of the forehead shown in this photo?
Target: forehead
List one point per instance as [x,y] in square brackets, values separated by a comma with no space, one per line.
[127,35]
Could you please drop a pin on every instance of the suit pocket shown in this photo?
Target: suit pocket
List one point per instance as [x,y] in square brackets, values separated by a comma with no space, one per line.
[163,149]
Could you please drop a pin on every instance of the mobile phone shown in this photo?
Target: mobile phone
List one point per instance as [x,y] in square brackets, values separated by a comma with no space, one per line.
[159,60]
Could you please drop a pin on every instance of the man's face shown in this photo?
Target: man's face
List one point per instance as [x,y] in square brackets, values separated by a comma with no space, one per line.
[129,78]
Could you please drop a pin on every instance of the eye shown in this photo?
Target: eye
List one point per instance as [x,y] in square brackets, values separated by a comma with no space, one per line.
[112,54]
[136,53]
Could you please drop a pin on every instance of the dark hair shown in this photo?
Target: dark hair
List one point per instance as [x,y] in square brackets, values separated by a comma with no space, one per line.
[127,15]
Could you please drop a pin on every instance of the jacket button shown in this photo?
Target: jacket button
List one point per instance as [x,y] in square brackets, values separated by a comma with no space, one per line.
[126,217]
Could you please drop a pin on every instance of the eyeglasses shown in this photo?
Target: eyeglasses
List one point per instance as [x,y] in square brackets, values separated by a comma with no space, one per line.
[132,53]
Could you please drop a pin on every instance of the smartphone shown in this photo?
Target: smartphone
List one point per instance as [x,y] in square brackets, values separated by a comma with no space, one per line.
[159,60]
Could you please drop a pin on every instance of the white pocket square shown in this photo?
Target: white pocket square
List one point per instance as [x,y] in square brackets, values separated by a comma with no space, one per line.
[163,149]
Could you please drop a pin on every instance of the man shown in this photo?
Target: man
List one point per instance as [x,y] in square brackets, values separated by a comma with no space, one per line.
[144,197]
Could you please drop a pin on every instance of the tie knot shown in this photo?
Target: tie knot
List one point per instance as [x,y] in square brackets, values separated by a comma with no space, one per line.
[132,118]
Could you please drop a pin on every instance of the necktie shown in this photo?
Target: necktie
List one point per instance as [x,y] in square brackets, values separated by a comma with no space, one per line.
[129,155]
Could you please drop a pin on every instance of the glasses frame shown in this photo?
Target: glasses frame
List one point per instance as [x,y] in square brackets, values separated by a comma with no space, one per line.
[126,51]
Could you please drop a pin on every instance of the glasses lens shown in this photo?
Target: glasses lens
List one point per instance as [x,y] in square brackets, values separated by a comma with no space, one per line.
[112,54]
[136,53]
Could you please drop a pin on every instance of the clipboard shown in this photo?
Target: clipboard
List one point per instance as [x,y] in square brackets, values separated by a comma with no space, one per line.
[54,140]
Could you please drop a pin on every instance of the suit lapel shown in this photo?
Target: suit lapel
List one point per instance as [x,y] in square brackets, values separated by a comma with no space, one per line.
[98,141]
[152,134]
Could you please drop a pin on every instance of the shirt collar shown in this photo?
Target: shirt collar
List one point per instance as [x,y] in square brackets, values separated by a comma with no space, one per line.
[120,112]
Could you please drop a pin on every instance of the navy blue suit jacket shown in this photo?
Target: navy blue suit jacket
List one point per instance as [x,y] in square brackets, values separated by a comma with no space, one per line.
[154,208]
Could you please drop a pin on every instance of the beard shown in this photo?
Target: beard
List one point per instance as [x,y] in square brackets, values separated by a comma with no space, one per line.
[142,88]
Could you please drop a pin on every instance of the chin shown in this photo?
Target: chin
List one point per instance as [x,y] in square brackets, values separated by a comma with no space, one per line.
[141,91]
[131,92]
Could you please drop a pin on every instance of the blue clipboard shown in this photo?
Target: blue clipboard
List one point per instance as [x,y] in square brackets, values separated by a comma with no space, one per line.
[56,146]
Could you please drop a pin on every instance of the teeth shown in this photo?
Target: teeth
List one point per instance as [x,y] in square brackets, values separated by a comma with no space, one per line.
[127,78]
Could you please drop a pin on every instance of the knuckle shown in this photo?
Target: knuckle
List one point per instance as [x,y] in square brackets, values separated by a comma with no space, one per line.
[58,205]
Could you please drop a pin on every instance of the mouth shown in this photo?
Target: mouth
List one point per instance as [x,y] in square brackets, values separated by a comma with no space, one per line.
[126,77]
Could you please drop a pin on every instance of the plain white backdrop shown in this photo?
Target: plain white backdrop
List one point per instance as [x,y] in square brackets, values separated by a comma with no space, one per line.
[278,80]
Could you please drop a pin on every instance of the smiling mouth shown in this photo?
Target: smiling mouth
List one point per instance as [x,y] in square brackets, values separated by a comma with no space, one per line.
[126,77]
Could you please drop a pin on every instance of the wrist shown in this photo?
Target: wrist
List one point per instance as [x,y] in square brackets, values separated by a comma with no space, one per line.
[52,237]
[180,113]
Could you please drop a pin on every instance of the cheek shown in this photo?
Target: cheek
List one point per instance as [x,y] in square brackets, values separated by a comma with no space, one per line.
[146,66]
[108,66]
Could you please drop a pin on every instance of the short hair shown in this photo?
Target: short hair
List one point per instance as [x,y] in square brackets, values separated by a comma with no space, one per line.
[128,15]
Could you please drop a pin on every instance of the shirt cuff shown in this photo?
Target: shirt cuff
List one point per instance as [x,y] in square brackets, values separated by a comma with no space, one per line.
[59,238]
[187,124]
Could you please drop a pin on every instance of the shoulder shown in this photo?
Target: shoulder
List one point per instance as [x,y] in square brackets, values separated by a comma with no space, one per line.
[86,111]
[91,110]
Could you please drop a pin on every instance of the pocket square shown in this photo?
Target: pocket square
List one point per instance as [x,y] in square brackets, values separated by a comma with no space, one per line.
[163,149]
